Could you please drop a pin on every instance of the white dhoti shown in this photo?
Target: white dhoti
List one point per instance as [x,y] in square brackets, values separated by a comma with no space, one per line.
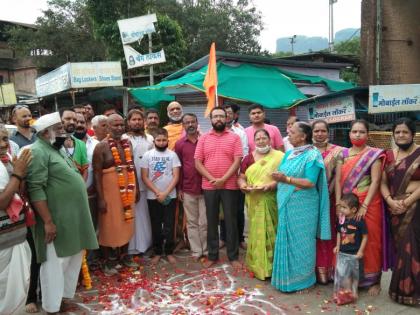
[59,277]
[15,263]
[142,238]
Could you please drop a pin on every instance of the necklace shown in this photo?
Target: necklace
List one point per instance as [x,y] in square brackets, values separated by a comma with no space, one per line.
[126,189]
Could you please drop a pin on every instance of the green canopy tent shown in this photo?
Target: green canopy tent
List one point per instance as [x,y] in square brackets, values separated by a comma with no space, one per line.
[265,85]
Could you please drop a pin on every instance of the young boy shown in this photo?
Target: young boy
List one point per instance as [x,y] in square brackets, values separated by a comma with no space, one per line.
[160,173]
[351,240]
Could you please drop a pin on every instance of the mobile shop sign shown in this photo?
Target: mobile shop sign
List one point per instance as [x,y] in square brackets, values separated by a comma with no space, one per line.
[394,98]
[333,111]
[79,75]
[133,30]
[135,59]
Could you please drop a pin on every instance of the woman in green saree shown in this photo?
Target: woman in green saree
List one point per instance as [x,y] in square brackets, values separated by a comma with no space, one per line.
[255,180]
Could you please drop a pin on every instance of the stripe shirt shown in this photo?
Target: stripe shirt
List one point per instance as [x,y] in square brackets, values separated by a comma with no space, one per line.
[217,152]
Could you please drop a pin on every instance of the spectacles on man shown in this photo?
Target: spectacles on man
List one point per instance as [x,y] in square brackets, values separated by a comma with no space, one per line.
[20,106]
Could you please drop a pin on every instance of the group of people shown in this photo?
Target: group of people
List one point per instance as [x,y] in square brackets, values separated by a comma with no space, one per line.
[84,182]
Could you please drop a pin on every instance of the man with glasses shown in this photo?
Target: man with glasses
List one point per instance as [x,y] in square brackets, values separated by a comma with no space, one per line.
[21,117]
[217,158]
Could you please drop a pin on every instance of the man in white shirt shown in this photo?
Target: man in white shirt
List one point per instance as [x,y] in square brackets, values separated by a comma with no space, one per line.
[290,121]
[141,143]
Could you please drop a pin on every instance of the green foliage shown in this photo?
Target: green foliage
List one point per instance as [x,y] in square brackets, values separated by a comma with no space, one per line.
[64,34]
[281,54]
[87,30]
[349,47]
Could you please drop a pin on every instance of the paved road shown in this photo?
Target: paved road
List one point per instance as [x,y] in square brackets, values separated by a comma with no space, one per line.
[188,289]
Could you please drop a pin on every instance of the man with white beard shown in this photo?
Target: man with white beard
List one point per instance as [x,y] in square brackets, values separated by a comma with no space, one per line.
[141,143]
[174,126]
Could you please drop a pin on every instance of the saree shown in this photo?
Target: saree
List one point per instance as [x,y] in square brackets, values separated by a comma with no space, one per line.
[262,216]
[324,248]
[356,179]
[303,215]
[405,229]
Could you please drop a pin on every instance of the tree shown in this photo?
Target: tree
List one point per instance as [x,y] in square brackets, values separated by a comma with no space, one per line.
[349,47]
[87,30]
[281,54]
[234,25]
[168,35]
[64,33]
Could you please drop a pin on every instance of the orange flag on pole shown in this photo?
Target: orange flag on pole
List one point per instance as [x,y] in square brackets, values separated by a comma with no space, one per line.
[210,81]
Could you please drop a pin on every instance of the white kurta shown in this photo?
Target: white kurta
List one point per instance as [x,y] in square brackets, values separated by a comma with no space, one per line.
[142,238]
[15,265]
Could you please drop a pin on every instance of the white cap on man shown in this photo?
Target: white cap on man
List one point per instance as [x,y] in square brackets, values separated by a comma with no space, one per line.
[47,121]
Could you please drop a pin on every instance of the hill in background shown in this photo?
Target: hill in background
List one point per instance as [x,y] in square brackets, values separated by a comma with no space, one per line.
[305,44]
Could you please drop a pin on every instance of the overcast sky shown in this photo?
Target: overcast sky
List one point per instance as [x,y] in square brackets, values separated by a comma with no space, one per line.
[281,18]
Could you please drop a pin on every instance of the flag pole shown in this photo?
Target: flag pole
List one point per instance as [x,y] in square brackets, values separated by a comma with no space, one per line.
[217,98]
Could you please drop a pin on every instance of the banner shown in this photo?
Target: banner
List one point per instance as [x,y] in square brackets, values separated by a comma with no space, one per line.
[95,74]
[394,98]
[133,30]
[7,95]
[54,81]
[135,59]
[80,75]
[334,110]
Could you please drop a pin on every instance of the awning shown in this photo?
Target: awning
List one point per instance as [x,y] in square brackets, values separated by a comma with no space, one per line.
[265,85]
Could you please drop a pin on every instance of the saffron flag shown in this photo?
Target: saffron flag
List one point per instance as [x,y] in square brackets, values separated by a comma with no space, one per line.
[210,81]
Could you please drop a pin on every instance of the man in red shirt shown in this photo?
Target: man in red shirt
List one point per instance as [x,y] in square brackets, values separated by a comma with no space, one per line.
[217,158]
[189,188]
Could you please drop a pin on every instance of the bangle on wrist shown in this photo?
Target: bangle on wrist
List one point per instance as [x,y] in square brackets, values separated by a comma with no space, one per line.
[386,198]
[364,206]
[20,178]
[288,179]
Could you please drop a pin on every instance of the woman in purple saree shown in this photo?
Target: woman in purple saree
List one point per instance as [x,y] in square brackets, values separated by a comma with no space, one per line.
[400,188]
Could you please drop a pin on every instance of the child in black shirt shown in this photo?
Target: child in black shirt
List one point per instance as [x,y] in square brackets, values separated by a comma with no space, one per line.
[351,239]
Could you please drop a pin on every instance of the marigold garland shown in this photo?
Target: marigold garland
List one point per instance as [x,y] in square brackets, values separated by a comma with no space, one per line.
[126,191]
[87,281]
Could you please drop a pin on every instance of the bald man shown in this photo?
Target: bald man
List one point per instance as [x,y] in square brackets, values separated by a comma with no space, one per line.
[115,228]
[174,127]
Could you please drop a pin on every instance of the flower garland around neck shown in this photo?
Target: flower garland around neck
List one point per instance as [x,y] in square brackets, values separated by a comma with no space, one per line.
[126,191]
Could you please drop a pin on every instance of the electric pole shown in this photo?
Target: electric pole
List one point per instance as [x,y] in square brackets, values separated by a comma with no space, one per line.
[331,26]
[292,42]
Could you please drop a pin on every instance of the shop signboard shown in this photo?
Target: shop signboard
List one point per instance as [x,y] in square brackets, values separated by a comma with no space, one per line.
[133,30]
[95,74]
[54,81]
[334,110]
[80,75]
[7,95]
[394,98]
[135,59]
